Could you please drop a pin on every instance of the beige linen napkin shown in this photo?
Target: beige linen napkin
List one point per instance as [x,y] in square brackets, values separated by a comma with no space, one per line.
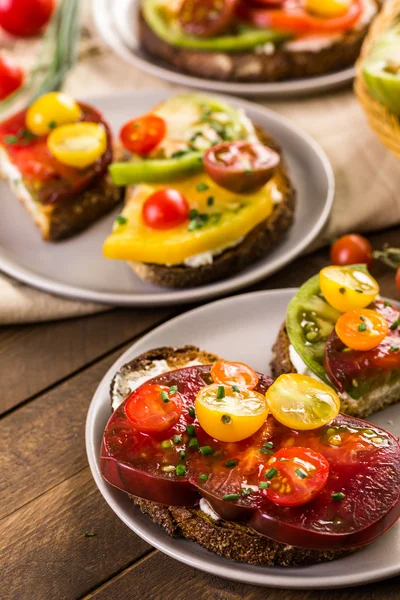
[367,175]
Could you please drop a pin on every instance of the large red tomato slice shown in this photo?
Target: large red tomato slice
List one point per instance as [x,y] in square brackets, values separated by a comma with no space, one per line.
[207,18]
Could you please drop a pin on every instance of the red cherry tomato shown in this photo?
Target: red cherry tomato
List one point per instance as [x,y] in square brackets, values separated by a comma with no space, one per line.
[207,18]
[398,279]
[234,373]
[351,250]
[142,135]
[24,18]
[295,19]
[153,408]
[296,475]
[241,167]
[11,75]
[165,209]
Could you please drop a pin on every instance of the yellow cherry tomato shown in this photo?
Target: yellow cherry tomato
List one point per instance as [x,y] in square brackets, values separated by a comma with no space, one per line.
[229,413]
[362,329]
[302,402]
[328,8]
[50,111]
[78,145]
[347,288]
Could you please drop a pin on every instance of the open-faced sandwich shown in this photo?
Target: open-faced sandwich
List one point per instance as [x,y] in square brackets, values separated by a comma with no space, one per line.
[255,40]
[55,156]
[339,331]
[207,193]
[255,471]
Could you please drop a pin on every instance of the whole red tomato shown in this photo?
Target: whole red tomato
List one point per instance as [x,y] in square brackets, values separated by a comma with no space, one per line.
[398,279]
[11,75]
[351,250]
[24,18]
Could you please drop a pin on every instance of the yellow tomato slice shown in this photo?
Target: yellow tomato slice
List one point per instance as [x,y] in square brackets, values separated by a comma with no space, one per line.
[362,329]
[51,111]
[78,145]
[347,288]
[230,414]
[328,8]
[301,402]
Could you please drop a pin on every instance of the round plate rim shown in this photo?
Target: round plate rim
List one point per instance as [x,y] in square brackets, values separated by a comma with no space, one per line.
[291,88]
[232,571]
[219,288]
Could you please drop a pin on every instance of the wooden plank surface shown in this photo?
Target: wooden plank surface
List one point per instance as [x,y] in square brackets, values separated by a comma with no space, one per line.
[48,499]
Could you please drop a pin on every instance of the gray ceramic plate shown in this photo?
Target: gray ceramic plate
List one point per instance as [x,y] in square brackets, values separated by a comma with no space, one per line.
[116,23]
[241,328]
[76,267]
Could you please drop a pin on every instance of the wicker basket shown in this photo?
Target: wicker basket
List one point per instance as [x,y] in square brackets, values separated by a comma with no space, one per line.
[385,124]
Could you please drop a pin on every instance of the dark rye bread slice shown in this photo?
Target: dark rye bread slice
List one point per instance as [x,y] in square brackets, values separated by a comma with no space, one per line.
[232,540]
[361,408]
[252,66]
[254,246]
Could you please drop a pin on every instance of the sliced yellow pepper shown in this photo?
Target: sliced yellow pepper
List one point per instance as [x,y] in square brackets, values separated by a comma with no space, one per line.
[78,145]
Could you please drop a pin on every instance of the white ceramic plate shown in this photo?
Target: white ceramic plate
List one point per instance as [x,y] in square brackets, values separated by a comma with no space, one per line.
[76,267]
[116,23]
[243,328]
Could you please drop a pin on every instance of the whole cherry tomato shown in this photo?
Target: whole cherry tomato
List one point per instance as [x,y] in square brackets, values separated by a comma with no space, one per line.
[143,134]
[11,75]
[24,18]
[351,249]
[165,209]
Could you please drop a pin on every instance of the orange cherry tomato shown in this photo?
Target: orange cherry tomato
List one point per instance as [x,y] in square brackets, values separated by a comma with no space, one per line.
[153,408]
[165,209]
[295,476]
[362,329]
[234,373]
[142,135]
[351,250]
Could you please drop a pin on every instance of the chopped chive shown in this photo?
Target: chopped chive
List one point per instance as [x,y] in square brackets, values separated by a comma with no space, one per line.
[235,389]
[210,200]
[338,496]
[386,303]
[89,534]
[182,455]
[342,290]
[271,473]
[249,170]
[177,439]
[194,443]
[164,396]
[220,392]
[362,318]
[266,451]
[191,412]
[180,153]
[203,477]
[52,124]
[362,327]
[302,474]
[205,450]
[264,485]
[394,348]
[226,419]
[193,213]
[395,324]
[359,291]
[202,187]
[231,463]
[173,389]
[180,470]
[11,139]
[190,430]
[231,497]
[247,491]
[121,220]
[268,445]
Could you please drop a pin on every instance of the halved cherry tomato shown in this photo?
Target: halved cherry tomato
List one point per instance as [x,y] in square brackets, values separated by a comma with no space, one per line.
[11,75]
[351,250]
[207,18]
[51,111]
[296,476]
[241,167]
[24,18]
[165,209]
[229,413]
[362,329]
[142,135]
[78,145]
[346,288]
[293,18]
[302,402]
[234,373]
[153,408]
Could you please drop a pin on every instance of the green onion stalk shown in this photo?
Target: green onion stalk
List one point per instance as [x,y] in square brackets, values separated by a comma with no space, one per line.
[58,54]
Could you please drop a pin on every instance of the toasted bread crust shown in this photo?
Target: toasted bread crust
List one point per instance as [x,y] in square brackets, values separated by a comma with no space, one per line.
[254,246]
[251,66]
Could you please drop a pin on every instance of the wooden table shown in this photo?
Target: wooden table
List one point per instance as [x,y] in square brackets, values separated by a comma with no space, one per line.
[49,373]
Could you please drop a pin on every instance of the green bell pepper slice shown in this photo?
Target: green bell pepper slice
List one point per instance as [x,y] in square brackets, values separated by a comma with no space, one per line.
[155,170]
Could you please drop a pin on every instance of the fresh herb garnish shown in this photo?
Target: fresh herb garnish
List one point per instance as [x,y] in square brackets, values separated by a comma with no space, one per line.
[359,291]
[210,200]
[342,290]
[52,125]
[182,455]
[194,443]
[180,470]
[191,412]
[394,348]
[246,491]
[173,389]
[271,473]
[338,496]
[121,220]
[362,327]
[11,139]
[205,450]
[395,324]
[202,187]
[386,303]
[89,534]
[268,445]
[231,497]
[235,389]
[220,392]
[164,396]
[266,451]
[231,463]
[226,419]
[177,439]
[264,485]
[190,430]
[203,477]
[302,474]
[197,220]
[180,153]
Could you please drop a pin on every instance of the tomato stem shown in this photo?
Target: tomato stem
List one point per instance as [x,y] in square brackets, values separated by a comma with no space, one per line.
[389,256]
